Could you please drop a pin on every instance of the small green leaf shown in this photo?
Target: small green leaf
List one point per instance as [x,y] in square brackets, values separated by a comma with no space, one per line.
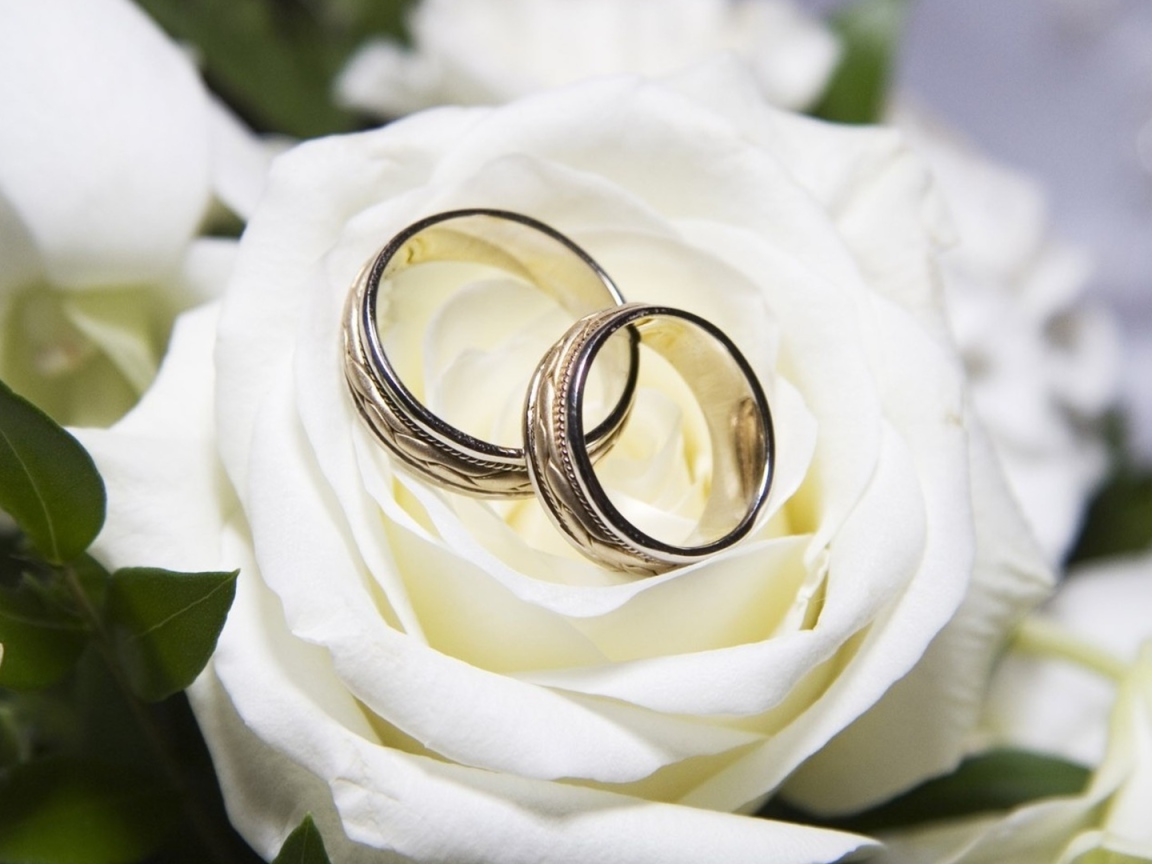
[997,780]
[303,846]
[64,811]
[41,633]
[871,32]
[991,781]
[272,61]
[48,482]
[164,625]
[1119,520]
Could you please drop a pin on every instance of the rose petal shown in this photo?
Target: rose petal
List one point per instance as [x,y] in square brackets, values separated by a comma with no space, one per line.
[1060,708]
[327,602]
[119,324]
[160,468]
[1110,816]
[22,264]
[312,192]
[894,745]
[387,798]
[240,161]
[103,149]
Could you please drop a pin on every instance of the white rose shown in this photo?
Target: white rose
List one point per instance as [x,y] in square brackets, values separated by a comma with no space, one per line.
[443,677]
[484,52]
[1042,359]
[111,152]
[1079,712]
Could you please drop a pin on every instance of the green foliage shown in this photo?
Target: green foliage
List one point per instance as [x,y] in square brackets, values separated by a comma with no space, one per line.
[993,781]
[41,632]
[82,652]
[48,482]
[67,811]
[1120,518]
[275,61]
[11,740]
[303,846]
[870,32]
[164,625]
[996,780]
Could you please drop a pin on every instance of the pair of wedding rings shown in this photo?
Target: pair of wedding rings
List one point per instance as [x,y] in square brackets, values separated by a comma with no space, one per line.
[556,462]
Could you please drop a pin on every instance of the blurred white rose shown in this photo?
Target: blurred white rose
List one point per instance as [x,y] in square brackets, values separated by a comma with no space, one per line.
[444,678]
[1042,358]
[485,52]
[111,153]
[1062,89]
[1063,708]
[1077,712]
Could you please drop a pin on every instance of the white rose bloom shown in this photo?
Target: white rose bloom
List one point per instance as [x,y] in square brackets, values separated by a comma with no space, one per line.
[485,52]
[1042,358]
[443,679]
[1078,713]
[111,152]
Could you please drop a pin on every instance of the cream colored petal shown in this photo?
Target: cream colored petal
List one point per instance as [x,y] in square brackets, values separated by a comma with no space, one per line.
[922,725]
[167,496]
[387,799]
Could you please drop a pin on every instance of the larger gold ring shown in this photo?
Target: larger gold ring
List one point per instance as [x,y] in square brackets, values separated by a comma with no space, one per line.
[424,443]
[735,411]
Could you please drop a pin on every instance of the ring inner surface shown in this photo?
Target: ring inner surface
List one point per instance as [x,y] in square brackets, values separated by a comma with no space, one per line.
[487,262]
[733,410]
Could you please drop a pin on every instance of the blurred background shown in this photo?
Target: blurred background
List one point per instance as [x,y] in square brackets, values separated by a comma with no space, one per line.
[1063,90]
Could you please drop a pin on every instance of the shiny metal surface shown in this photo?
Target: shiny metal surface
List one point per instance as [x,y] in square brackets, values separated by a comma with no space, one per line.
[422,442]
[735,410]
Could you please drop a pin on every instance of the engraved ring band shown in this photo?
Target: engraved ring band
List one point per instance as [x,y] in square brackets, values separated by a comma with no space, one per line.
[424,443]
[735,412]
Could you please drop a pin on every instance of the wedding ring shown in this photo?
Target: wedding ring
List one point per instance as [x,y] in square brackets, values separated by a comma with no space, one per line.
[735,412]
[424,443]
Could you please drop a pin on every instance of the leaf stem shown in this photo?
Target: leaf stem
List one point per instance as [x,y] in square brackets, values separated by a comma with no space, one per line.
[193,811]
[1041,637]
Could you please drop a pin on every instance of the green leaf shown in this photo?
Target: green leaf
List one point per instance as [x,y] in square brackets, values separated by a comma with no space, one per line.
[870,32]
[64,811]
[991,781]
[1119,520]
[303,846]
[41,633]
[48,482]
[164,625]
[273,61]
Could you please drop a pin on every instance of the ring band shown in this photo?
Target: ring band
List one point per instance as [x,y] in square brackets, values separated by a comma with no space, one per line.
[423,442]
[735,412]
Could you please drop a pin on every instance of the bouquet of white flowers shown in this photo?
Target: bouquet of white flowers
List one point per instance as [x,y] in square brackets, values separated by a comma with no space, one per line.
[531,431]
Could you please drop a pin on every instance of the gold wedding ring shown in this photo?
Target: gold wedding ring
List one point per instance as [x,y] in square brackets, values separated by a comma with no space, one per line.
[735,412]
[557,460]
[421,441]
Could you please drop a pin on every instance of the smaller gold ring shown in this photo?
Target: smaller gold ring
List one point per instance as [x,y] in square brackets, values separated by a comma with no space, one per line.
[735,412]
